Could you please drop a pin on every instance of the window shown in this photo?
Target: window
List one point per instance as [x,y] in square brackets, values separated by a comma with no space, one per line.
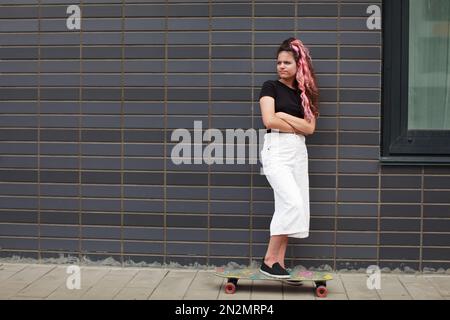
[416,82]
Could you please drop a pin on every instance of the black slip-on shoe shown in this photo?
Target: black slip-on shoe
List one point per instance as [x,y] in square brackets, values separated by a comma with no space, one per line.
[276,271]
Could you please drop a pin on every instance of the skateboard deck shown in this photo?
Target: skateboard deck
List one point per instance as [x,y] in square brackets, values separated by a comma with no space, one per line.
[298,276]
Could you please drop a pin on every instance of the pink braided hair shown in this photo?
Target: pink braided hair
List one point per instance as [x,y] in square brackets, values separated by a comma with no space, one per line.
[305,78]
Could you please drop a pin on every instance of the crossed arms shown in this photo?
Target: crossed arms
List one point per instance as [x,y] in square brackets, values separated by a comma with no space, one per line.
[283,121]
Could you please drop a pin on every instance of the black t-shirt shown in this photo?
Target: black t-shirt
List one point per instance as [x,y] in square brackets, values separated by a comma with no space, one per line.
[287,100]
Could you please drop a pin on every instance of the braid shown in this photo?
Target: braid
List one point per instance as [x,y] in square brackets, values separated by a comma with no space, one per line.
[306,79]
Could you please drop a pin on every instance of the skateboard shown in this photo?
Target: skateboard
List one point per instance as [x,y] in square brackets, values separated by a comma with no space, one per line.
[298,276]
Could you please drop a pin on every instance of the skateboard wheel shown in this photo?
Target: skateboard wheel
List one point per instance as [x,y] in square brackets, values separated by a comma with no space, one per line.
[321,291]
[230,288]
[321,283]
[233,280]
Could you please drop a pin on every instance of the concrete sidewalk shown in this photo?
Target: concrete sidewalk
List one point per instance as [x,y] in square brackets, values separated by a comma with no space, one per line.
[44,281]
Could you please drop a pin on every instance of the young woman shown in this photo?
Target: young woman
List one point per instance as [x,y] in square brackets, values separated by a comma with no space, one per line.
[289,108]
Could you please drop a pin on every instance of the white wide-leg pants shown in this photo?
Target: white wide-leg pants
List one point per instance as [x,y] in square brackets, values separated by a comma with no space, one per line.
[284,157]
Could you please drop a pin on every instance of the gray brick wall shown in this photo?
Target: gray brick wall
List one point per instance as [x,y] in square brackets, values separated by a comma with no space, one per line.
[87,117]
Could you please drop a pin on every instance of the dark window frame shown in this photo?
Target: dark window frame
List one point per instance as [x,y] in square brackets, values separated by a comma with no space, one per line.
[398,145]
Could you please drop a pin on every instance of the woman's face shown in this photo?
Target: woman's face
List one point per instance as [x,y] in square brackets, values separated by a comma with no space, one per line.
[286,66]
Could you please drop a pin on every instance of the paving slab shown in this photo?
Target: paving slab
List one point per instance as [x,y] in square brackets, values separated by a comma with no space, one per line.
[8,270]
[420,287]
[174,285]
[134,293]
[355,286]
[266,290]
[441,284]
[305,291]
[45,285]
[392,288]
[142,285]
[110,285]
[205,286]
[89,277]
[22,279]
